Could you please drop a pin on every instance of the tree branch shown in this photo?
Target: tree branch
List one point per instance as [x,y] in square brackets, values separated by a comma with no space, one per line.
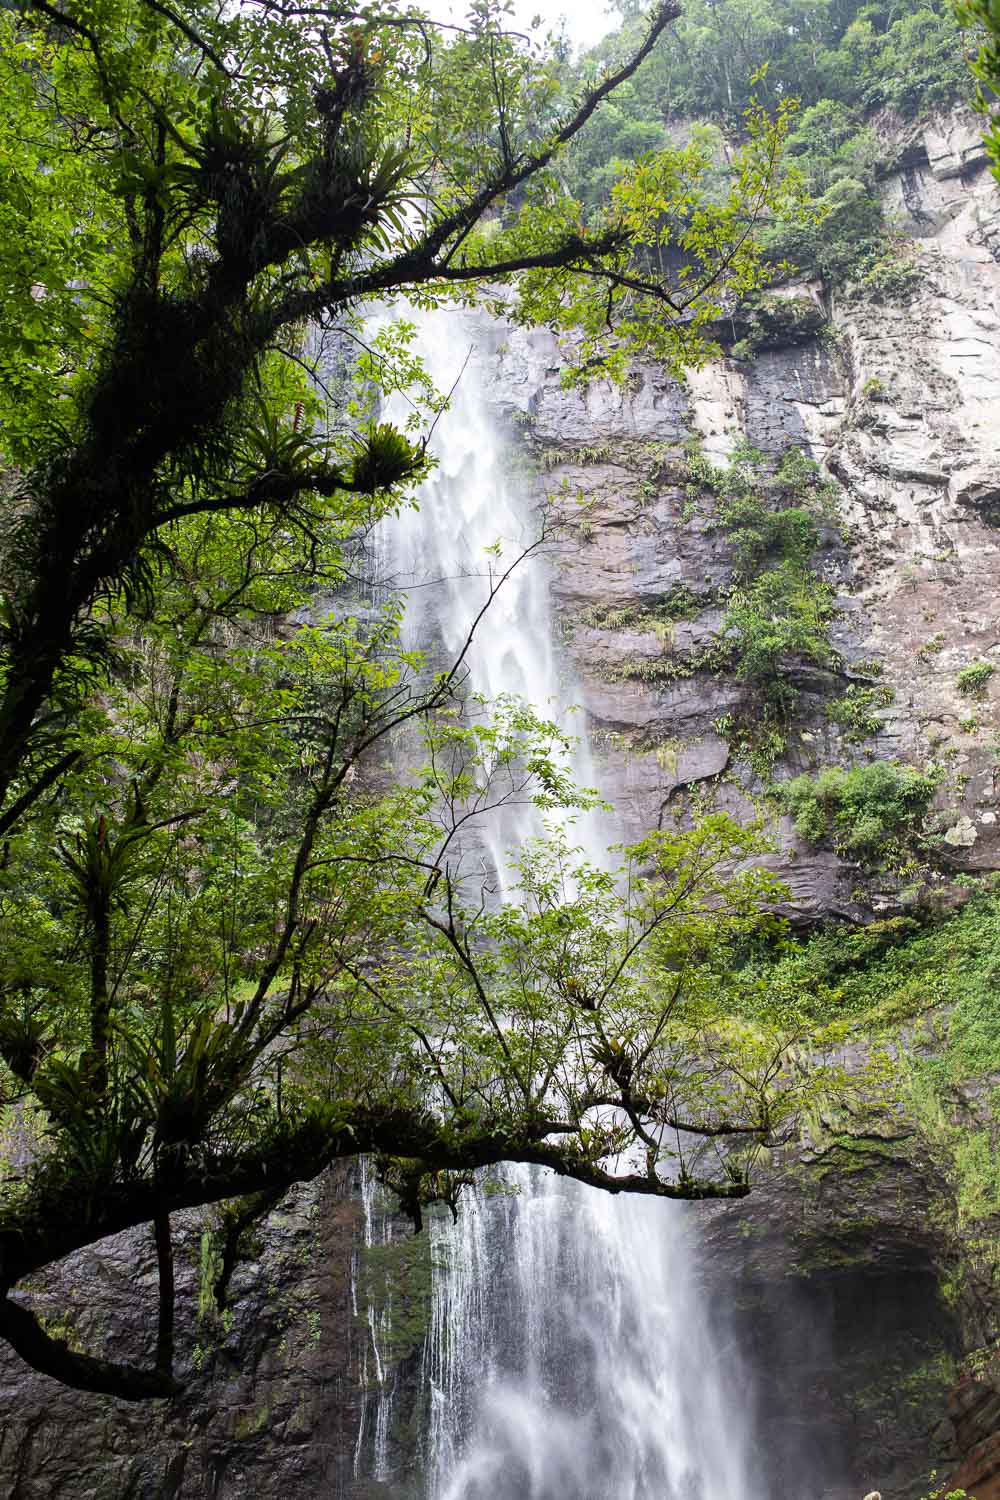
[84,1372]
[48,778]
[189,31]
[165,1323]
[58,1218]
[416,268]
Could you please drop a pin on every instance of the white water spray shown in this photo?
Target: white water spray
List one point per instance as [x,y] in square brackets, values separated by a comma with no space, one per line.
[378,1229]
[569,1355]
[475,520]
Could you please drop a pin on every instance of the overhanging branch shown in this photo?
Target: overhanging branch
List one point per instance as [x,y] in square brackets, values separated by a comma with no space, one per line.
[84,1372]
[58,1218]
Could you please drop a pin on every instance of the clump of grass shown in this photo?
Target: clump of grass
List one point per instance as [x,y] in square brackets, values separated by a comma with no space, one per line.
[972,680]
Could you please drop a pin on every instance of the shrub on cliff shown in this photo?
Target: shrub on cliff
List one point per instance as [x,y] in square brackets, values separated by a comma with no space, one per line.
[874,813]
[779,609]
[776,623]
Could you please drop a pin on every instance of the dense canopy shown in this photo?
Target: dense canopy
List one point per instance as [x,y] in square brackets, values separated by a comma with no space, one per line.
[235,946]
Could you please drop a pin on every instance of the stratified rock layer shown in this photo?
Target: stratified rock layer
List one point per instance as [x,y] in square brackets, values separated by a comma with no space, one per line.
[901,401]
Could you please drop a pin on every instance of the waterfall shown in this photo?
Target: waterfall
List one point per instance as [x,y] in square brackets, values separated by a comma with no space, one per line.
[378,1229]
[569,1355]
[474,520]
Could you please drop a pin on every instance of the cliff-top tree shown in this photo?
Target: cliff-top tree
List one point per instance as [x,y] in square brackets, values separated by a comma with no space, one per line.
[232,950]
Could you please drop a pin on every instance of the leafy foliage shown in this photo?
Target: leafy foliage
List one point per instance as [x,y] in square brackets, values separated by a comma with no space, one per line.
[874,813]
[783,615]
[843,62]
[235,947]
[778,609]
[985,65]
[888,972]
[909,58]
[857,712]
[972,679]
[922,984]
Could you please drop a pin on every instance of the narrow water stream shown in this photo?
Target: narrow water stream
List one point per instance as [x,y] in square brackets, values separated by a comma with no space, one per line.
[569,1355]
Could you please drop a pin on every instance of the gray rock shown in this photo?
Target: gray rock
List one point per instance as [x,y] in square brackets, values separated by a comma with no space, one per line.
[979,490]
[954,144]
[961,835]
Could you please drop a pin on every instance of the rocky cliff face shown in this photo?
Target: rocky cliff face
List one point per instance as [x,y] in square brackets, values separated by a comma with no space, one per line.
[838,1269]
[856,1288]
[304,1389]
[899,397]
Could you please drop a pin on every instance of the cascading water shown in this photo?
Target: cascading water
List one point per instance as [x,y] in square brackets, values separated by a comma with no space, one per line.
[569,1355]
[379,1227]
[445,555]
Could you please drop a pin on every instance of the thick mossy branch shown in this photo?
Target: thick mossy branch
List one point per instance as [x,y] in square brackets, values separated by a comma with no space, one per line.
[432,1162]
[60,1216]
[83,1372]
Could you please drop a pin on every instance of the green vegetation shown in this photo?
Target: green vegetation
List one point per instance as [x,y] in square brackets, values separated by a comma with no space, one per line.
[844,62]
[857,712]
[754,509]
[874,813]
[678,604]
[776,622]
[908,57]
[920,990]
[972,680]
[778,608]
[234,949]
[890,973]
[953,1094]
[847,238]
[656,670]
[927,989]
[980,16]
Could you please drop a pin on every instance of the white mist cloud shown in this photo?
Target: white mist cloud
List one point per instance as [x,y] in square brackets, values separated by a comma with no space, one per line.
[587,21]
